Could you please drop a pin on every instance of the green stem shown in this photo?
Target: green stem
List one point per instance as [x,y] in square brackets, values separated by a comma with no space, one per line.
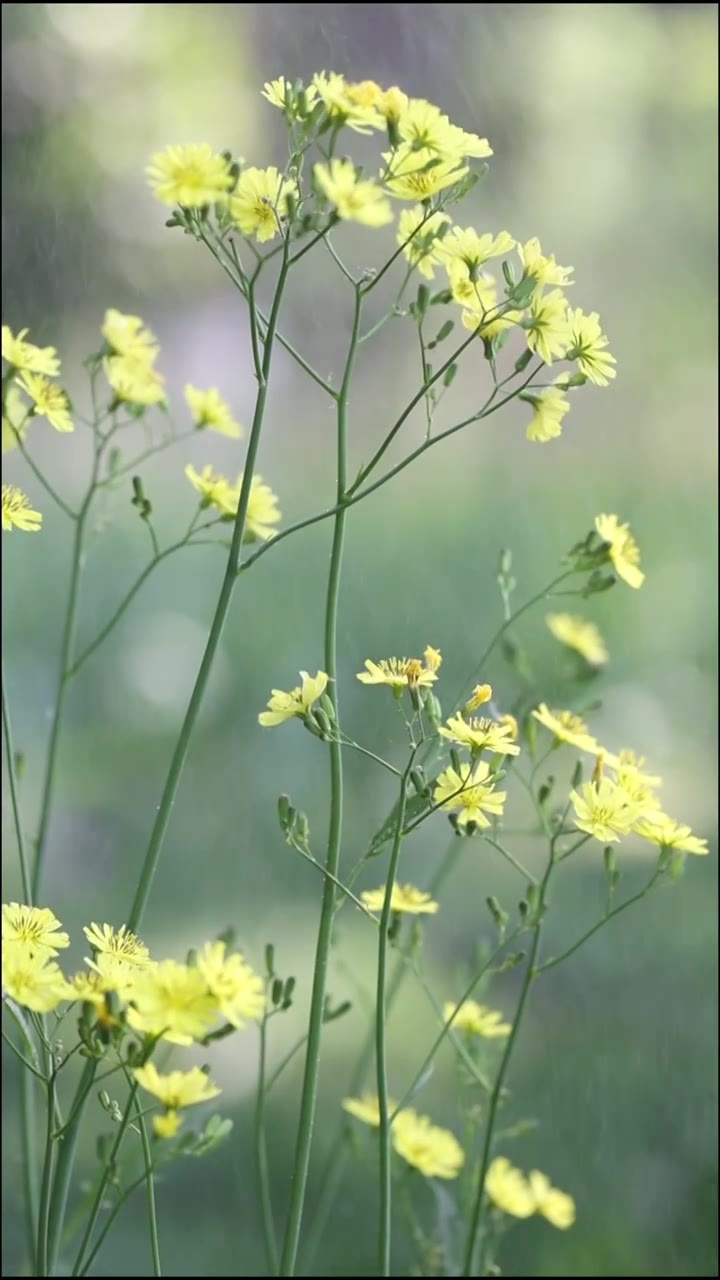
[125,1195]
[106,1175]
[41,479]
[177,762]
[150,1187]
[46,1185]
[327,910]
[66,1159]
[550,964]
[261,1155]
[30,1181]
[12,782]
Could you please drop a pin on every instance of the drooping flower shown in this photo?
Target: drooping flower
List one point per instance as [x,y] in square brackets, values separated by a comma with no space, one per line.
[544,269]
[210,410]
[214,489]
[36,929]
[469,791]
[17,512]
[260,201]
[550,406]
[283,706]
[509,1189]
[669,834]
[239,992]
[418,234]
[134,379]
[355,199]
[434,1151]
[567,727]
[557,1206]
[481,734]
[476,1019]
[578,634]
[173,1001]
[190,174]
[405,897]
[547,328]
[176,1089]
[126,336]
[586,343]
[399,673]
[49,400]
[117,942]
[415,175]
[604,810]
[623,549]
[366,1108]
[481,693]
[25,355]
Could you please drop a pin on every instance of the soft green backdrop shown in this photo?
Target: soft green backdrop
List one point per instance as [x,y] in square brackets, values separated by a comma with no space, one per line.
[603,122]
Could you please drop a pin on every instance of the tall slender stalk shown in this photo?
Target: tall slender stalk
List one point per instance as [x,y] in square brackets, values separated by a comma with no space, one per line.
[327,910]
[66,1160]
[261,1156]
[43,1268]
[106,1174]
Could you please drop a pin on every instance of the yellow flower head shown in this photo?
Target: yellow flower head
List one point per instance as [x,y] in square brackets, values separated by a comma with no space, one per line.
[469,791]
[239,992]
[399,673]
[90,988]
[638,785]
[30,979]
[433,658]
[423,126]
[471,289]
[623,549]
[356,199]
[415,175]
[556,1206]
[547,327]
[481,734]
[214,489]
[510,722]
[366,1108]
[167,1124]
[418,234]
[604,810]
[348,104]
[262,512]
[177,1088]
[392,103]
[544,269]
[114,973]
[550,406]
[276,92]
[134,380]
[173,1001]
[24,355]
[49,400]
[210,410]
[35,929]
[17,512]
[260,201]
[405,897]
[117,942]
[509,1189]
[669,834]
[580,635]
[586,343]
[463,244]
[434,1151]
[126,336]
[191,174]
[567,727]
[476,1019]
[481,693]
[283,706]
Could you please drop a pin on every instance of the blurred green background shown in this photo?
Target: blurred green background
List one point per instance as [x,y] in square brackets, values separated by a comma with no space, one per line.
[603,123]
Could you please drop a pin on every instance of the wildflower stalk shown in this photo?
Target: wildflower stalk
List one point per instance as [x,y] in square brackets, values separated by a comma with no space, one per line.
[266,1210]
[150,1191]
[43,1267]
[66,1160]
[12,783]
[105,1178]
[622,906]
[327,910]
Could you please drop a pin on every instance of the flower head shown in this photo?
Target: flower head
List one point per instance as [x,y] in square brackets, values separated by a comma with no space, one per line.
[423,126]
[32,980]
[586,343]
[481,693]
[36,929]
[114,973]
[415,175]
[239,992]
[405,897]
[550,406]
[669,834]
[433,658]
[366,1108]
[17,512]
[464,245]
[418,234]
[167,1124]
[262,511]
[260,201]
[49,400]
[547,325]
[556,1206]
[283,706]
[177,1088]
[476,1019]
[89,987]
[604,810]
[117,942]
[544,269]
[580,635]
[509,1189]
[173,1001]
[134,380]
[126,336]
[434,1151]
[399,673]
[191,174]
[469,791]
[567,727]
[638,785]
[214,489]
[210,410]
[25,355]
[348,104]
[356,199]
[623,549]
[481,734]
[279,93]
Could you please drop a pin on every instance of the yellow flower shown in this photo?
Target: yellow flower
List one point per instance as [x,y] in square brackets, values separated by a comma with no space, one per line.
[623,549]
[422,125]
[276,92]
[550,407]
[481,734]
[126,337]
[49,400]
[670,834]
[32,980]
[481,693]
[639,786]
[392,103]
[283,706]
[90,988]
[17,512]
[463,244]
[24,355]
[117,942]
[415,175]
[172,1000]
[399,673]
[405,897]
[356,199]
[580,635]
[366,1108]
[475,1018]
[547,328]
[260,200]
[239,992]
[345,103]
[604,810]
[434,1151]
[509,1189]
[469,791]
[134,380]
[210,410]
[567,727]
[166,1125]
[418,234]
[543,268]
[556,1206]
[114,973]
[191,174]
[14,419]
[262,511]
[472,289]
[214,489]
[510,722]
[586,343]
[177,1088]
[433,658]
[36,929]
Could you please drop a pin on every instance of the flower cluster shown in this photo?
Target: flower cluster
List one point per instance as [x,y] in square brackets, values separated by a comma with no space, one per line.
[521,1197]
[217,491]
[129,363]
[434,1151]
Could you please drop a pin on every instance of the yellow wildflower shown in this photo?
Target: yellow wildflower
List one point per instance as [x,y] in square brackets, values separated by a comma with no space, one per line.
[471,289]
[463,244]
[418,234]
[276,92]
[167,1124]
[415,175]
[346,103]
[586,343]
[117,942]
[669,834]
[481,693]
[191,174]
[356,199]
[115,973]
[262,510]
[567,727]
[90,988]
[604,810]
[49,400]
[433,658]
[177,1088]
[405,897]
[550,407]
[214,489]
[509,1189]
[578,634]
[398,673]
[25,355]
[172,1000]
[480,734]
[260,201]
[556,1206]
[239,992]
[366,1108]
[35,929]
[283,706]
[639,786]
[423,126]
[17,512]
[547,329]
[33,981]
[434,1151]
[476,1019]
[126,336]
[623,549]
[210,410]
[544,269]
[392,103]
[510,722]
[134,380]
[469,791]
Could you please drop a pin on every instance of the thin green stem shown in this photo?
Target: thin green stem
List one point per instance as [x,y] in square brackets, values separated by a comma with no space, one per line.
[106,1175]
[12,783]
[125,1195]
[629,902]
[509,622]
[261,1156]
[177,762]
[285,1062]
[41,480]
[46,1184]
[66,1159]
[150,1187]
[30,1178]
[510,857]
